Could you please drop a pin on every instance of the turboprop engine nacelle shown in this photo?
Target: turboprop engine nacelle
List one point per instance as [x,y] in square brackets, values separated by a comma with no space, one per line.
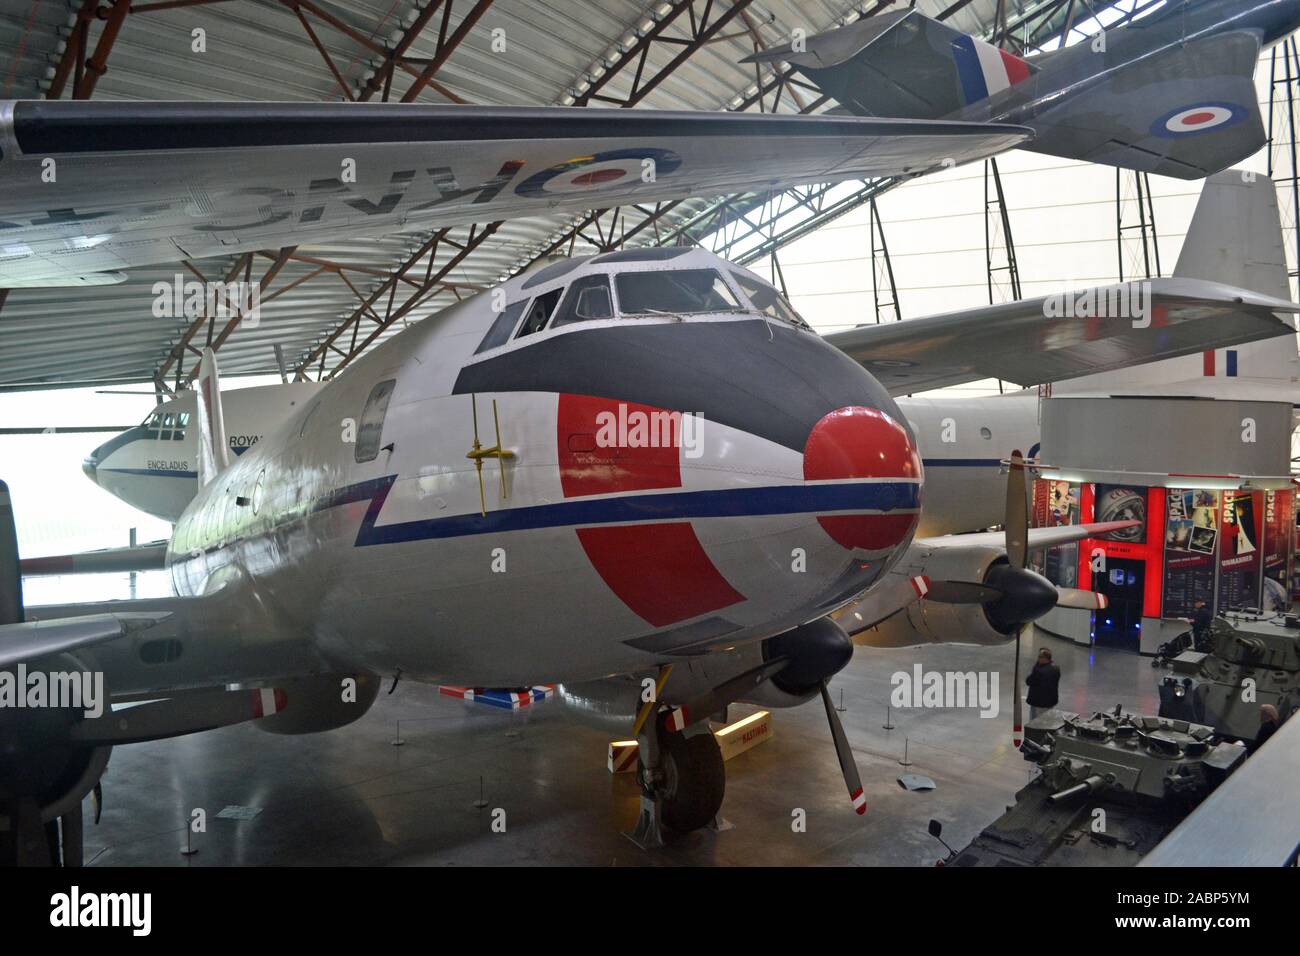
[816,651]
[39,759]
[322,703]
[928,622]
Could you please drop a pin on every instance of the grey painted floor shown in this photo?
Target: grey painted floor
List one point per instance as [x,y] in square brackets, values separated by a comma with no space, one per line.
[350,797]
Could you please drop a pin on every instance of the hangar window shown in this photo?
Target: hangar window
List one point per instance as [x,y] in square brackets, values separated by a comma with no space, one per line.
[371,425]
[539,312]
[767,299]
[680,292]
[588,299]
[504,324]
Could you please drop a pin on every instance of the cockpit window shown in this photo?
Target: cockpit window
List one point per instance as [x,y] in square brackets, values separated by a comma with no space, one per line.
[678,292]
[767,300]
[504,324]
[588,299]
[539,312]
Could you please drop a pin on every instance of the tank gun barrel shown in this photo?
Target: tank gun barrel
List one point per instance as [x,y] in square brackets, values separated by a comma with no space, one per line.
[1089,785]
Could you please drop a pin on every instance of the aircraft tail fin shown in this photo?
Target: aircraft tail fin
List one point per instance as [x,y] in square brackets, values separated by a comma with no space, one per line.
[11,579]
[1236,236]
[902,64]
[213,452]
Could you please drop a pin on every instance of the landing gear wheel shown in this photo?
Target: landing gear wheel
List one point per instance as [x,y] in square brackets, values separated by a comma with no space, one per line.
[693,780]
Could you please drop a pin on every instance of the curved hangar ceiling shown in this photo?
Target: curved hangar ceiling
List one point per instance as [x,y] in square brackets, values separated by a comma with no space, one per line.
[323,304]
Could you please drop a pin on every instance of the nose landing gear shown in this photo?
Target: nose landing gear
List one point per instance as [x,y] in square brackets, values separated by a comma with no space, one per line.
[682,781]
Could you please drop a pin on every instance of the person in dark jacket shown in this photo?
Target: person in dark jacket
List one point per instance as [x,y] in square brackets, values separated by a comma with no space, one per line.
[1202,620]
[1268,721]
[1044,682]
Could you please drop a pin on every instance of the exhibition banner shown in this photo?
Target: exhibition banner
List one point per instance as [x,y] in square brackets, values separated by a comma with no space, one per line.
[1241,533]
[1278,508]
[1191,543]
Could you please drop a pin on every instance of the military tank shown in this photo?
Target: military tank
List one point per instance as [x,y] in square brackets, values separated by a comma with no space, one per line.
[1253,660]
[1111,786]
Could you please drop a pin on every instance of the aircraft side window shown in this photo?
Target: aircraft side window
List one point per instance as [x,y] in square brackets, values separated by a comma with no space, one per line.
[151,426]
[371,425]
[588,298]
[182,420]
[501,328]
[258,489]
[539,312]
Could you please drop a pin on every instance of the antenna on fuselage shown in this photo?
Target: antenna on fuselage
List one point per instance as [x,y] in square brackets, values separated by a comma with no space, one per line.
[478,453]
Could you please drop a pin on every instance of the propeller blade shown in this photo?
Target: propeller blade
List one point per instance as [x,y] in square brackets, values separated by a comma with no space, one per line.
[1017,514]
[1017,715]
[847,763]
[1088,600]
[961,592]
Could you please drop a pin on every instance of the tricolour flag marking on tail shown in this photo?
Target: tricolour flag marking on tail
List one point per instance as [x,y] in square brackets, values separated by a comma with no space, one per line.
[984,69]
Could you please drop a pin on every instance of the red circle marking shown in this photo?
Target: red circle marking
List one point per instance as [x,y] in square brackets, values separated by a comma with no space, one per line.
[597,176]
[860,442]
[1196,119]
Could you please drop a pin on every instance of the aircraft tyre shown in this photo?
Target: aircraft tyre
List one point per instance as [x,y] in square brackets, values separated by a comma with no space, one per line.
[693,780]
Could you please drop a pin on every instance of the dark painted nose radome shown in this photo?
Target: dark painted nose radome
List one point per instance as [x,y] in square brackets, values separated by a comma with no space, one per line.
[865,443]
[765,378]
[90,466]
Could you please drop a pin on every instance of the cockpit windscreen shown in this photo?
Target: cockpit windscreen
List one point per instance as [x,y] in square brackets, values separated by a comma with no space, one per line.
[767,300]
[679,292]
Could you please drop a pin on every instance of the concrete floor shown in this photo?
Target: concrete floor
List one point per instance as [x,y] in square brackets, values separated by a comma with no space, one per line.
[350,797]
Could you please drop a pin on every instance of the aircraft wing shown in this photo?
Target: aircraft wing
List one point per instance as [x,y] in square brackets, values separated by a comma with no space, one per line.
[1054,338]
[1187,113]
[141,183]
[164,645]
[141,557]
[33,640]
[1038,537]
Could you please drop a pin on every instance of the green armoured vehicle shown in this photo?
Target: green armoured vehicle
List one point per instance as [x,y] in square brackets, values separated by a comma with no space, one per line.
[1253,660]
[1111,787]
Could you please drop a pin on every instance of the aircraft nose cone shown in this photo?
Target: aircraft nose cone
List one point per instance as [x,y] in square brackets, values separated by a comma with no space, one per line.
[90,467]
[865,443]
